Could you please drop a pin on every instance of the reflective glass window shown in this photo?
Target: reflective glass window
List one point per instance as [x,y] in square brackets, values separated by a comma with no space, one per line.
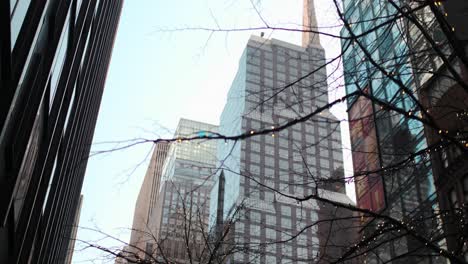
[59,59]
[18,10]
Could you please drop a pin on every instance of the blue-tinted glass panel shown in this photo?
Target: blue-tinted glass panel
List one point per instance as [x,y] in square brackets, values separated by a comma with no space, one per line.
[18,13]
[59,59]
[12,6]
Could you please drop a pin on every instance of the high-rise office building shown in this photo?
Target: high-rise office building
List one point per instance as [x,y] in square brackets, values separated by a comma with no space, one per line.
[147,200]
[278,82]
[393,63]
[54,59]
[176,213]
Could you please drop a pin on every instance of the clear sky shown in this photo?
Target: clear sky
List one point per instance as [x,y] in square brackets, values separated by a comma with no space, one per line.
[158,75]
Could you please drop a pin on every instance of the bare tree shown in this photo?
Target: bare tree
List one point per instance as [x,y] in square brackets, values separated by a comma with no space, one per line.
[405,75]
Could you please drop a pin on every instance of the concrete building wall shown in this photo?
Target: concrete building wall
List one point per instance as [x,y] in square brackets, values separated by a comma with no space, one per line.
[146,203]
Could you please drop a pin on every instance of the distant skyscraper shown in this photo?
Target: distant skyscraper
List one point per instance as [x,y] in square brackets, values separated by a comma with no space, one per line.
[175,206]
[54,59]
[147,200]
[278,82]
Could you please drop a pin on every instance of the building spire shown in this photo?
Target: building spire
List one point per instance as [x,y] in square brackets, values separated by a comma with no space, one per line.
[309,22]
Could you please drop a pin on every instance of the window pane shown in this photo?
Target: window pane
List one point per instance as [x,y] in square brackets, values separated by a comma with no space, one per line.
[59,59]
[17,18]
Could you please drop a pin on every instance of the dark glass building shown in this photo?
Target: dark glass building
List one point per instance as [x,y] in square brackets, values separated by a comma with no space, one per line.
[408,170]
[446,97]
[54,59]
[278,82]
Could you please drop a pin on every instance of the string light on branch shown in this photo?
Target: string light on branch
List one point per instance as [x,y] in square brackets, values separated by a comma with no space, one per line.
[462,115]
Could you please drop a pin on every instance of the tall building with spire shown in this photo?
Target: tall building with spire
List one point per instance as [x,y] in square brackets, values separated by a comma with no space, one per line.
[278,82]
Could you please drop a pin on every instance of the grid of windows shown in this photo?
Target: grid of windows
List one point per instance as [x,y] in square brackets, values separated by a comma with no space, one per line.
[282,159]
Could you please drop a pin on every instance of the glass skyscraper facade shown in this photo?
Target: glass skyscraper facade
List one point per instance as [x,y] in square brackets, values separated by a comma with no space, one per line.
[393,178]
[276,83]
[181,212]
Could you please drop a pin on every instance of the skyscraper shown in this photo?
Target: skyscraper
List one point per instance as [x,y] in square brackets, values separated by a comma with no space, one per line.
[175,211]
[446,97]
[54,59]
[391,62]
[278,82]
[147,200]
[184,194]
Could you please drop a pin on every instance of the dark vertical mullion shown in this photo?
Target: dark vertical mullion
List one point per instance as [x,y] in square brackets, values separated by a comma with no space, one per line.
[31,210]
[17,58]
[59,177]
[41,234]
[82,123]
[5,55]
[64,103]
[67,215]
[18,131]
[16,137]
[56,231]
[76,62]
[82,155]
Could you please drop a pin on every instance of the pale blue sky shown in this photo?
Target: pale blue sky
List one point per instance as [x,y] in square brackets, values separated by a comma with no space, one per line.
[157,76]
